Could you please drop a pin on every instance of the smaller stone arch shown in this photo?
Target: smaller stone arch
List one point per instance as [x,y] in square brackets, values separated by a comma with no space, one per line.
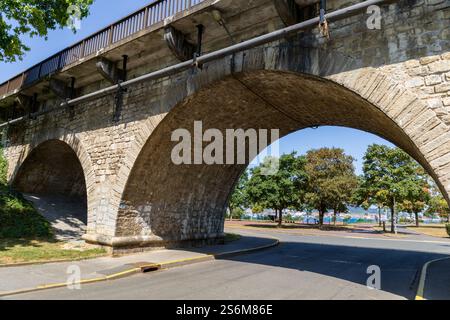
[54,173]
[51,168]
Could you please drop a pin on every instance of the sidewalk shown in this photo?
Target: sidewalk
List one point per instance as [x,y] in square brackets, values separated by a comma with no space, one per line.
[21,279]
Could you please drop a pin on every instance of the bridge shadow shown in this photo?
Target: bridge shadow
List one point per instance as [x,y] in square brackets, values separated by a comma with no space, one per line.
[67,215]
[400,268]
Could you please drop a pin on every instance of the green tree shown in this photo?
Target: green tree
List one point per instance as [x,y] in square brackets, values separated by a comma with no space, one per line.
[437,204]
[33,18]
[257,208]
[238,199]
[331,180]
[415,203]
[366,197]
[280,190]
[418,192]
[391,176]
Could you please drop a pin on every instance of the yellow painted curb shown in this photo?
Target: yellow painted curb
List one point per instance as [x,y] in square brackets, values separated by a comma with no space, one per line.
[162,265]
[423,276]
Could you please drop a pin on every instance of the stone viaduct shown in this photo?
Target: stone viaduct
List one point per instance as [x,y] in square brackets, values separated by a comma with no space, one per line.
[113,152]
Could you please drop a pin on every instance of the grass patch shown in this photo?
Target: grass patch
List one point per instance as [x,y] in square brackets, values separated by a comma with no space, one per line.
[25,235]
[434,230]
[230,237]
[19,219]
[25,251]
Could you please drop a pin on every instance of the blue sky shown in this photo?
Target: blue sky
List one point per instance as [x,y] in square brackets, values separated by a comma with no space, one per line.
[354,142]
[105,12]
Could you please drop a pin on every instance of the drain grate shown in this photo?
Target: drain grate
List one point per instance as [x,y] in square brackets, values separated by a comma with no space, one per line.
[147,266]
[150,268]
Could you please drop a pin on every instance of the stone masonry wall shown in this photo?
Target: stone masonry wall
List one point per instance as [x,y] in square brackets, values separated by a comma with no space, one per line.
[402,69]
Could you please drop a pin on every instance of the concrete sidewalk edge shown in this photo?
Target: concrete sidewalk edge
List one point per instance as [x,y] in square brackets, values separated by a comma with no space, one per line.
[143,268]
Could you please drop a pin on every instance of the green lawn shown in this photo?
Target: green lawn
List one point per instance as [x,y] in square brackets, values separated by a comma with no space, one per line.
[26,251]
[437,230]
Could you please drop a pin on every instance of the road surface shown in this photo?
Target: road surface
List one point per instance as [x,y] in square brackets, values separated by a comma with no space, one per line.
[302,267]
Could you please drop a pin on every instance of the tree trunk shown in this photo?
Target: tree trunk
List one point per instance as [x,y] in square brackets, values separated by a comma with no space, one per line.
[280,218]
[417,218]
[335,216]
[231,213]
[379,217]
[321,214]
[392,218]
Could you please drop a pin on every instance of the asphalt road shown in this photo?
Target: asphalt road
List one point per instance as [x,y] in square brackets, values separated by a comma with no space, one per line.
[302,267]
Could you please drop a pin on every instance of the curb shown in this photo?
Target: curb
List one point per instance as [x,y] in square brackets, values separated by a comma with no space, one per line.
[423,276]
[145,268]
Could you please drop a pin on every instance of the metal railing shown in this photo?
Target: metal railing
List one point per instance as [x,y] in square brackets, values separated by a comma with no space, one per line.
[124,28]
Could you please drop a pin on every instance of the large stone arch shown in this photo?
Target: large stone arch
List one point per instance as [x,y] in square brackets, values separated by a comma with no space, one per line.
[282,86]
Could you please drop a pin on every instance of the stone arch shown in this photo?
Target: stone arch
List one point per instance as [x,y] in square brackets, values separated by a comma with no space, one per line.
[56,163]
[51,167]
[71,139]
[277,86]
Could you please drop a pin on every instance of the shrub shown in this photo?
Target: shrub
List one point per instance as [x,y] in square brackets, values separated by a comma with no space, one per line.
[447,227]
[237,213]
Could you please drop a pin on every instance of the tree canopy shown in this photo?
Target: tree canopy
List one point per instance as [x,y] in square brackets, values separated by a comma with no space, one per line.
[331,180]
[392,177]
[324,180]
[33,18]
[281,190]
[437,204]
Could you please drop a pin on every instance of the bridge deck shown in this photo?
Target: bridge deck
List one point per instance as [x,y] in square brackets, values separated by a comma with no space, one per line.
[140,36]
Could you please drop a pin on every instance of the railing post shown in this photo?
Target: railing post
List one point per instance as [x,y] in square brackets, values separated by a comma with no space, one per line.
[83,45]
[39,72]
[59,61]
[111,34]
[145,18]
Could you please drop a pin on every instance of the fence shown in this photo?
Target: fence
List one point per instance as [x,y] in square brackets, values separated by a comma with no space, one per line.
[128,26]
